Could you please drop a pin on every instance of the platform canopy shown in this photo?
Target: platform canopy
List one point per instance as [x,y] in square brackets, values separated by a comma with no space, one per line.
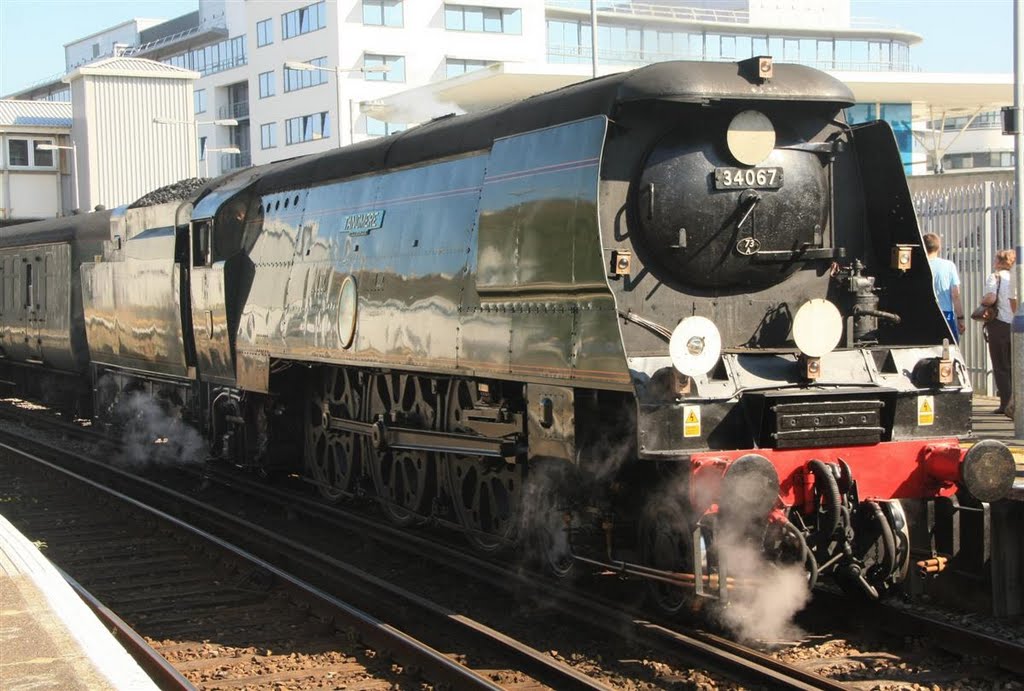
[930,94]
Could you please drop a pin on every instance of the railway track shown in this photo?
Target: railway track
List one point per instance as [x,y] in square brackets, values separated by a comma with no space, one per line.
[663,640]
[224,618]
[731,661]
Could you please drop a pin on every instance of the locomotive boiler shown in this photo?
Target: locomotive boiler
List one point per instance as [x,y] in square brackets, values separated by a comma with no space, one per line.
[632,321]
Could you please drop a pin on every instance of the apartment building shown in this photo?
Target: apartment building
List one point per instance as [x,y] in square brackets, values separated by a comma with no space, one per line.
[282,78]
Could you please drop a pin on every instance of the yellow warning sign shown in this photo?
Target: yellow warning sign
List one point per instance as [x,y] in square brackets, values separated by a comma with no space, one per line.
[691,420]
[925,410]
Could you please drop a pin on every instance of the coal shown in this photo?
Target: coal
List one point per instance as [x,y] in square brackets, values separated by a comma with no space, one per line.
[177,191]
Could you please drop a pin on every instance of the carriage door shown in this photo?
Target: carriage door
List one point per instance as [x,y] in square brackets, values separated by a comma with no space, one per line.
[34,295]
[214,357]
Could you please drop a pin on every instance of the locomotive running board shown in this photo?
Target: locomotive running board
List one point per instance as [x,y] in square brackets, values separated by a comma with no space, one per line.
[384,436]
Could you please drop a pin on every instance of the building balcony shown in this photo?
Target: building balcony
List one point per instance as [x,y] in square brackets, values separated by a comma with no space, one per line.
[633,58]
[237,111]
[154,45]
[229,162]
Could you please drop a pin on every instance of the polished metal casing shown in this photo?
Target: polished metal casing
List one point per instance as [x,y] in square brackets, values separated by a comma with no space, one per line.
[132,294]
[40,295]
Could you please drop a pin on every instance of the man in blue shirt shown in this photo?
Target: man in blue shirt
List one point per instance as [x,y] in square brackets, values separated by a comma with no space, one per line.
[947,285]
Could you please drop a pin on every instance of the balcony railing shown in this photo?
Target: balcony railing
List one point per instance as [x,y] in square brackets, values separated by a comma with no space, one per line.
[238,110]
[649,10]
[235,161]
[629,58]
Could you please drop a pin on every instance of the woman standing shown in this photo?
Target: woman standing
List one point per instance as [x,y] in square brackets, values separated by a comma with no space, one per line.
[997,292]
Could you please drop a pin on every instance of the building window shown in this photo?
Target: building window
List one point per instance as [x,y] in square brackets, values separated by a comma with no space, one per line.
[453,67]
[20,154]
[264,33]
[306,128]
[42,158]
[202,148]
[268,135]
[394,63]
[218,57]
[303,79]
[495,20]
[304,20]
[266,84]
[199,101]
[17,152]
[382,12]
[379,128]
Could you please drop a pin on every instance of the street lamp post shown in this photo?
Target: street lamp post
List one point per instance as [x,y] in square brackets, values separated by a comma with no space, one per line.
[224,122]
[306,67]
[74,163]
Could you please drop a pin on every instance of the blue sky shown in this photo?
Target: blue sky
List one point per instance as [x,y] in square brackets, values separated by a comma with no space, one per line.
[959,35]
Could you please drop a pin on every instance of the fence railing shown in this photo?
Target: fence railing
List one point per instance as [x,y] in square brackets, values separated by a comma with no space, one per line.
[238,110]
[974,221]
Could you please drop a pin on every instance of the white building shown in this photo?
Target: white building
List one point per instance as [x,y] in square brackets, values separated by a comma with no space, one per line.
[132,128]
[429,48]
[31,183]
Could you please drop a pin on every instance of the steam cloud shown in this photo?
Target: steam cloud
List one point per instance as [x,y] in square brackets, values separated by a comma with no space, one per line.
[771,594]
[765,610]
[151,435]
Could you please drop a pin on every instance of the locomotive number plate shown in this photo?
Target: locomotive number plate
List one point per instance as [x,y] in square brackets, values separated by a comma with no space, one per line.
[746,178]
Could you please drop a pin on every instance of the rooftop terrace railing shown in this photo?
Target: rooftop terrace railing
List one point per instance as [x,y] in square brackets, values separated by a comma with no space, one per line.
[679,12]
[651,9]
[582,54]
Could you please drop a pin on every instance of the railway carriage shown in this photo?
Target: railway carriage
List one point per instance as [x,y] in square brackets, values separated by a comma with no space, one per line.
[634,320]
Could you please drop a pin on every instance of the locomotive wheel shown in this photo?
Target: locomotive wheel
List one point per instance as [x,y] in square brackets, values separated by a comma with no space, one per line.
[665,544]
[332,456]
[404,479]
[486,493]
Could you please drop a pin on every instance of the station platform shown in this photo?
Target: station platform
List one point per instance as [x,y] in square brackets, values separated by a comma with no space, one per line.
[989,425]
[49,638]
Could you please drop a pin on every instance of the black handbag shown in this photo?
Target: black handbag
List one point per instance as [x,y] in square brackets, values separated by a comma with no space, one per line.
[986,313]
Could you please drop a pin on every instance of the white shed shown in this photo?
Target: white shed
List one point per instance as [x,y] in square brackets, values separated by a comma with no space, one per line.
[31,185]
[123,151]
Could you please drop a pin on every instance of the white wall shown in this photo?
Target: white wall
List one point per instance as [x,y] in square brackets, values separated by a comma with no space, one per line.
[81,51]
[33,195]
[422,40]
[122,153]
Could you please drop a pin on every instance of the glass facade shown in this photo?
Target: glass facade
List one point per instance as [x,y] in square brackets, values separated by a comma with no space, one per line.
[304,20]
[494,20]
[569,41]
[303,79]
[382,12]
[898,115]
[380,128]
[395,65]
[306,128]
[453,67]
[213,58]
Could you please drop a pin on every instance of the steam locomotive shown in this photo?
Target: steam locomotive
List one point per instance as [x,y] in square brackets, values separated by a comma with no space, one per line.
[631,322]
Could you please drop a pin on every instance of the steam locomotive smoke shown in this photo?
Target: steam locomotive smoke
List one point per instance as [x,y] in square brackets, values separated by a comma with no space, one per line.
[153,436]
[772,593]
[764,611]
[550,489]
[419,108]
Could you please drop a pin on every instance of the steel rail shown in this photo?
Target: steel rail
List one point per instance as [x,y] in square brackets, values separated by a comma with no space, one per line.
[559,674]
[153,663]
[373,632]
[702,648]
[727,657]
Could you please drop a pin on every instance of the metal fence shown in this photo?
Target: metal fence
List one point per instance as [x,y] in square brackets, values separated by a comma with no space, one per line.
[974,221]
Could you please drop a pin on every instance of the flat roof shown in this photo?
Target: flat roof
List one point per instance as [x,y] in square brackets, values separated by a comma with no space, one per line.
[506,82]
